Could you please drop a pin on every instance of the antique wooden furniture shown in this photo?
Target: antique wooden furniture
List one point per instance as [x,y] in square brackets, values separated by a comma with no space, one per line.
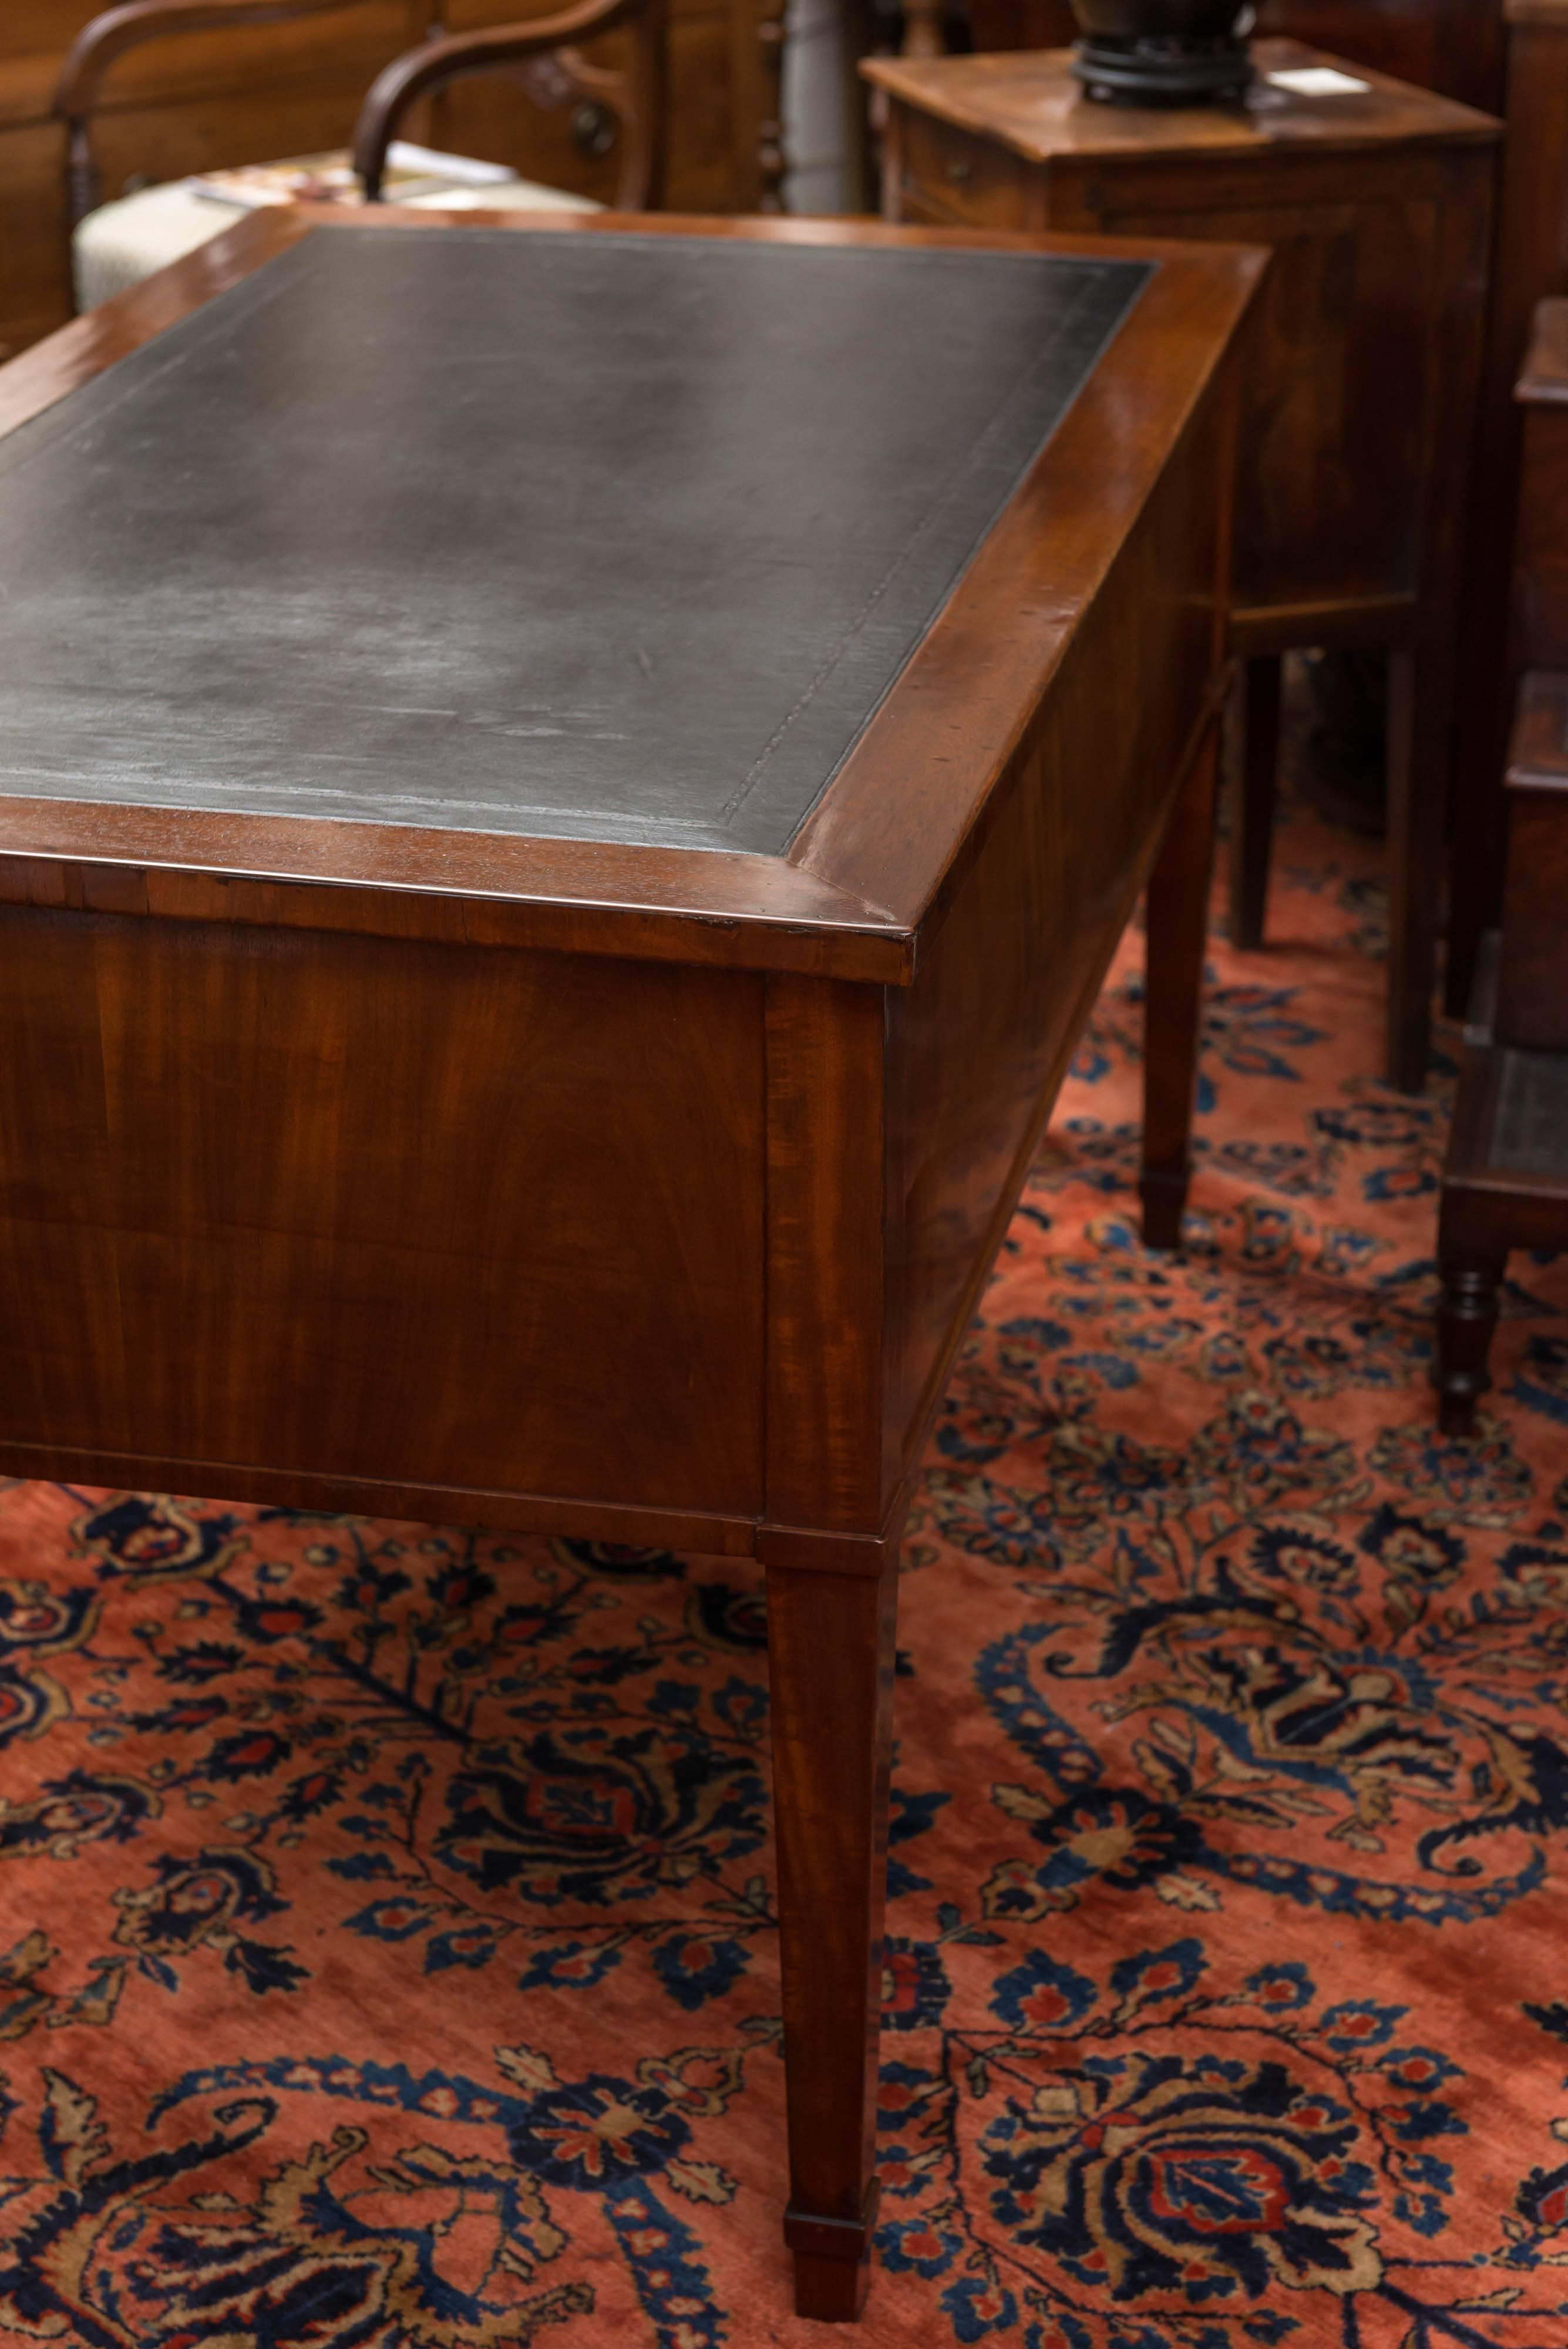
[1361,390]
[115,246]
[1529,262]
[534,960]
[295,87]
[1505,1185]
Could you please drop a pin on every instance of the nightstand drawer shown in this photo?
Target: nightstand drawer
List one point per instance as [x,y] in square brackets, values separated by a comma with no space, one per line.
[959,176]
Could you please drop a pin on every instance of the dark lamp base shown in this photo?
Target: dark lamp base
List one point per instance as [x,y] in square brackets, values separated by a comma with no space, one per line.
[1163,70]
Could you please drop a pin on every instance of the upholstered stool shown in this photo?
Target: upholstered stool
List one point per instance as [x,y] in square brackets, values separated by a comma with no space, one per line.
[115,246]
[121,243]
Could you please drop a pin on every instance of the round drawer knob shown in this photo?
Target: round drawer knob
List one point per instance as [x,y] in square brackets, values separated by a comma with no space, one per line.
[594,130]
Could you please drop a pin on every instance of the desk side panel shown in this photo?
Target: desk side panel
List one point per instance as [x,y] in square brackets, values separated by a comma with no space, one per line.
[367,1208]
[978,1045]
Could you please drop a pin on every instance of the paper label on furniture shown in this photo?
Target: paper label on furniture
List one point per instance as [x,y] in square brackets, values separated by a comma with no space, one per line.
[1318,82]
[615,537]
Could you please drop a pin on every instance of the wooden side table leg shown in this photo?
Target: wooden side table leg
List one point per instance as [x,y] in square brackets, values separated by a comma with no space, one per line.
[1254,783]
[1178,919]
[1467,1318]
[1420,706]
[830,1668]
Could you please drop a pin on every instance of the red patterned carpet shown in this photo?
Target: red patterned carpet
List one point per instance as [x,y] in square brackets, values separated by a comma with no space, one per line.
[389,1913]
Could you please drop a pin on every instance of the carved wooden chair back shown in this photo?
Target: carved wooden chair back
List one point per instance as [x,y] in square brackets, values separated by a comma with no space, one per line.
[542,53]
[546,61]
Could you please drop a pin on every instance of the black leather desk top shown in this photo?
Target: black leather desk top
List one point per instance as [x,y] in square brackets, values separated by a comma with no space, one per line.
[609,536]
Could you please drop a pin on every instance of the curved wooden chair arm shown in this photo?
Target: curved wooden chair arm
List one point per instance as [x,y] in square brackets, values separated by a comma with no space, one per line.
[108,37]
[638,97]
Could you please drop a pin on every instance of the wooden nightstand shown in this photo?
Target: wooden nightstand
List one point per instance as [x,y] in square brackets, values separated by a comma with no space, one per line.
[1361,392]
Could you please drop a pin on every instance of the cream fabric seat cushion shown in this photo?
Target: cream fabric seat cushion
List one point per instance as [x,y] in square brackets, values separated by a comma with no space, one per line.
[120,243]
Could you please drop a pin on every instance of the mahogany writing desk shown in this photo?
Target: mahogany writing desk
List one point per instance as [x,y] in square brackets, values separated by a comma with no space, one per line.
[565,791]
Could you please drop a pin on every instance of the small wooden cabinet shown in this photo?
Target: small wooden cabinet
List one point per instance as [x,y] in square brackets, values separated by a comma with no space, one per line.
[255,93]
[1361,379]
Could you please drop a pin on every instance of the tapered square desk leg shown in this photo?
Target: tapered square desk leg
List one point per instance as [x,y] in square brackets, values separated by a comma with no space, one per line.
[830,1668]
[1254,789]
[1178,921]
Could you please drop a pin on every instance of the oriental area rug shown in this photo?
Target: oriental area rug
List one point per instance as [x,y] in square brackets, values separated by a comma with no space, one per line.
[389,1956]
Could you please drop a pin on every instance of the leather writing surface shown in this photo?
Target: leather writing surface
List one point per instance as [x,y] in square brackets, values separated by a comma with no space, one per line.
[605,536]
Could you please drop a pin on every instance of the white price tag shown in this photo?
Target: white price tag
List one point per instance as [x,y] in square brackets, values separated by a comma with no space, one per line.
[1319,81]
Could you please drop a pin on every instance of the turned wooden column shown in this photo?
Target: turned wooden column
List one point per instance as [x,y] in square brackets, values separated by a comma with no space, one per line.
[830,1673]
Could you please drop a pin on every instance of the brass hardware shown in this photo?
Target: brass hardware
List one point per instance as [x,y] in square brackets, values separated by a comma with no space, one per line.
[958,171]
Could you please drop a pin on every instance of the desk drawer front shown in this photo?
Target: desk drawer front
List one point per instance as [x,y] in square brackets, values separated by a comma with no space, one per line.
[366,1208]
[968,180]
